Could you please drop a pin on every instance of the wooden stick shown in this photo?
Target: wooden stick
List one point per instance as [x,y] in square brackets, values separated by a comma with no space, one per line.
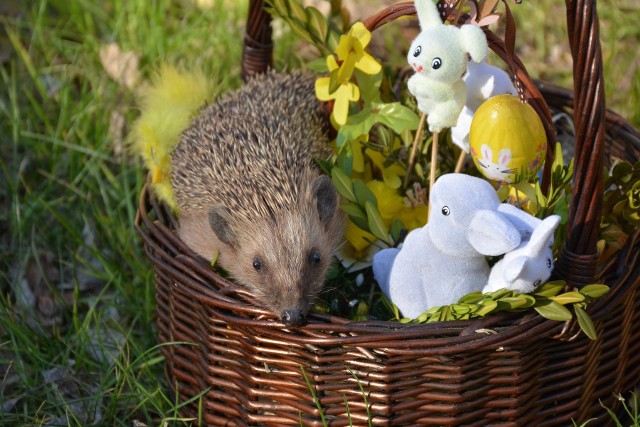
[463,155]
[412,156]
[434,161]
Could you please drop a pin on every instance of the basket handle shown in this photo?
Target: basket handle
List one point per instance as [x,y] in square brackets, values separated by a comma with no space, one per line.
[257,50]
[578,260]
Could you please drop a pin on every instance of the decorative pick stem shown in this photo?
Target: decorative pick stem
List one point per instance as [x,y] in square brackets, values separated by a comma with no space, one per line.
[434,161]
[463,155]
[412,157]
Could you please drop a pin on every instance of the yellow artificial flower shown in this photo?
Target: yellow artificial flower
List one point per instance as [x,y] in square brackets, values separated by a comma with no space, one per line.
[413,217]
[390,174]
[390,203]
[346,92]
[351,51]
[411,211]
[358,238]
[356,152]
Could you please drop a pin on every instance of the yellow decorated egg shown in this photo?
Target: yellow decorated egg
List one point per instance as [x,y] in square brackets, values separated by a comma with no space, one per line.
[507,139]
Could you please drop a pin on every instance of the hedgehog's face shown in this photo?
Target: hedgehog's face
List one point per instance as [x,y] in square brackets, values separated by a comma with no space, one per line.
[285,260]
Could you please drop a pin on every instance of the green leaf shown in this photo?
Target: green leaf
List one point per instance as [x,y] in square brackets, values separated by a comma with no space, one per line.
[295,10]
[343,184]
[568,298]
[299,29]
[316,23]
[396,229]
[356,214]
[377,226]
[585,322]
[542,200]
[344,160]
[594,290]
[501,293]
[550,289]
[518,302]
[460,308]
[397,117]
[487,307]
[357,124]
[503,192]
[558,161]
[363,194]
[369,86]
[472,298]
[353,210]
[318,65]
[553,311]
[526,188]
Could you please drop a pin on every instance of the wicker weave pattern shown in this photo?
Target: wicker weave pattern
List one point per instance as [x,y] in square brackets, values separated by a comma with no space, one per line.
[506,370]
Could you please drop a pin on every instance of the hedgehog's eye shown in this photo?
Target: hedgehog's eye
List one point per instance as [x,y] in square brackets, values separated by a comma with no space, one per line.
[548,262]
[417,51]
[314,257]
[537,283]
[436,63]
[257,264]
[445,210]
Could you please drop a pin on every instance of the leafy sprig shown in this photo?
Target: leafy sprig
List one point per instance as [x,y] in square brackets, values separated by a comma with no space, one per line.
[549,300]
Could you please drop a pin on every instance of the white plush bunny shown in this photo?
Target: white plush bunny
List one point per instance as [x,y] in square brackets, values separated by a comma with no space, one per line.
[482,82]
[445,260]
[439,57]
[529,265]
[498,170]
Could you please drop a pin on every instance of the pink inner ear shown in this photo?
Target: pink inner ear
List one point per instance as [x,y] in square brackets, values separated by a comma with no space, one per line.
[505,156]
[486,153]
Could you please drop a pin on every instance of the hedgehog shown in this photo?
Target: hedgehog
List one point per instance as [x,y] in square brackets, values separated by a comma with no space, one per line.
[249,191]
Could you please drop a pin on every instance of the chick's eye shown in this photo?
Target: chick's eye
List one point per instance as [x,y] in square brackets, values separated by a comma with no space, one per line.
[417,51]
[445,210]
[436,63]
[315,258]
[257,264]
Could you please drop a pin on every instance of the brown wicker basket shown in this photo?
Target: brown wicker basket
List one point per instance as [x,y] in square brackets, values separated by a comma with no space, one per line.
[506,369]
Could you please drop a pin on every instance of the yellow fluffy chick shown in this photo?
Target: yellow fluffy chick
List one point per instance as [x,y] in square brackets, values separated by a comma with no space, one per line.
[168,105]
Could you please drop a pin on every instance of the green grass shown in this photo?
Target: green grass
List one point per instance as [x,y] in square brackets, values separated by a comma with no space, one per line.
[90,320]
[77,345]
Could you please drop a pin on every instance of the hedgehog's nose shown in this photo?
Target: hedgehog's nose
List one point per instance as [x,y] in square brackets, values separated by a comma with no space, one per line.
[293,317]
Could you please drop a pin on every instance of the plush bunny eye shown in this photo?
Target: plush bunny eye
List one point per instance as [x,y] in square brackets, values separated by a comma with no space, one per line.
[436,63]
[417,51]
[548,262]
[445,210]
[537,283]
[257,264]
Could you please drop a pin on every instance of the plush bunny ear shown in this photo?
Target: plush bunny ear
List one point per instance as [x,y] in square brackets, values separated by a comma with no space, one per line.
[490,233]
[427,14]
[473,41]
[542,235]
[512,268]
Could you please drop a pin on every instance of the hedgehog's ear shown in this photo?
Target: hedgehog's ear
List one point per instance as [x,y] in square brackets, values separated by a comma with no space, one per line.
[219,222]
[326,197]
